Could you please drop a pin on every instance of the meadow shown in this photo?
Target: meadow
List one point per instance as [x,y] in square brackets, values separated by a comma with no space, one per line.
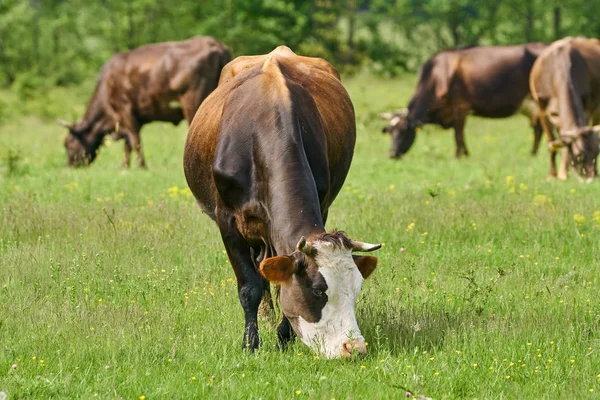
[114,285]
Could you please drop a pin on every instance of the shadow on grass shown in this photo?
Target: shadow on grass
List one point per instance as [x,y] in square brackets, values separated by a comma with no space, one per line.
[388,326]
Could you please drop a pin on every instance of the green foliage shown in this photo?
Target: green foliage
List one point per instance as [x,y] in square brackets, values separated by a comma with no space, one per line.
[65,42]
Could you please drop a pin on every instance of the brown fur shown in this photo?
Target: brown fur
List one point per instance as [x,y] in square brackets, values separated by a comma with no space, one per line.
[266,155]
[565,82]
[486,81]
[157,82]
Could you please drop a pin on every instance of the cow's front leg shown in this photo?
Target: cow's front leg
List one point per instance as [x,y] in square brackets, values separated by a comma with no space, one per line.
[461,147]
[537,137]
[136,143]
[250,283]
[565,158]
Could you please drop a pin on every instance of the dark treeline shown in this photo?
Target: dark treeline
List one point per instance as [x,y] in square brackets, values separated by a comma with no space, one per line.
[61,42]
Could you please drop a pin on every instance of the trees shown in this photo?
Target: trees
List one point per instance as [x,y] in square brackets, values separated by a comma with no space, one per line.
[63,41]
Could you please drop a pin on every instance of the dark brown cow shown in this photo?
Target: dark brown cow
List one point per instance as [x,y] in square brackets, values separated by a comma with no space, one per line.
[486,81]
[565,81]
[157,82]
[266,155]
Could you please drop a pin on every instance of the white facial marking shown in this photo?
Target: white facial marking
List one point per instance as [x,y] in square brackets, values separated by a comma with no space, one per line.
[338,319]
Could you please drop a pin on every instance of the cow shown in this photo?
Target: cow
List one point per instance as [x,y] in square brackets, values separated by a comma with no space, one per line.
[489,81]
[565,82]
[266,155]
[156,82]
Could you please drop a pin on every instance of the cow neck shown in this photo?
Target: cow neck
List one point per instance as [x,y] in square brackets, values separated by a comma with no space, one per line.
[293,202]
[94,138]
[570,106]
[420,104]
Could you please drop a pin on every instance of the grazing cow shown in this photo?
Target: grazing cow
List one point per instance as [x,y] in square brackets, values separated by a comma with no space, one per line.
[486,81]
[157,82]
[266,155]
[565,81]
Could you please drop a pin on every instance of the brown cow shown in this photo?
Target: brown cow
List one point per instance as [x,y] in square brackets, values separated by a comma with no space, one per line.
[565,81]
[486,81]
[266,155]
[157,82]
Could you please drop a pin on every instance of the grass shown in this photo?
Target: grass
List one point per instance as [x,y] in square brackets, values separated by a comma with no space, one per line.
[114,285]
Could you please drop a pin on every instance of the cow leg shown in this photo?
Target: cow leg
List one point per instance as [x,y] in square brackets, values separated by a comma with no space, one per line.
[564,164]
[136,143]
[550,137]
[126,160]
[285,333]
[461,147]
[250,283]
[537,137]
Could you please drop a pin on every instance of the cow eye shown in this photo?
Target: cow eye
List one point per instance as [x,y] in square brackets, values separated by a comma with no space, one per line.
[318,292]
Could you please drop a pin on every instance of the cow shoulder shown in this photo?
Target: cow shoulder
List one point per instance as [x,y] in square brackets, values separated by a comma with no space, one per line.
[445,66]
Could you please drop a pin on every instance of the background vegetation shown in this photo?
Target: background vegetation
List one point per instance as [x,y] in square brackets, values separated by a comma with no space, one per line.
[61,42]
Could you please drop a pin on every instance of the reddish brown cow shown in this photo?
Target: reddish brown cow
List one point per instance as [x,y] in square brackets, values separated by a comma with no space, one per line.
[488,81]
[157,82]
[266,155]
[565,81]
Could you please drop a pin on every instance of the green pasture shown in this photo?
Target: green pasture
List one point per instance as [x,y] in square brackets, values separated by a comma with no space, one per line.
[113,284]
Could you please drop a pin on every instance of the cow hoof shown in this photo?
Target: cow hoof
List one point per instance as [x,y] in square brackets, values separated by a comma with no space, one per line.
[562,177]
[550,178]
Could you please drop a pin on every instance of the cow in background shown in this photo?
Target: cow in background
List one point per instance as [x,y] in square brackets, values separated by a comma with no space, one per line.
[157,82]
[565,82]
[266,155]
[486,81]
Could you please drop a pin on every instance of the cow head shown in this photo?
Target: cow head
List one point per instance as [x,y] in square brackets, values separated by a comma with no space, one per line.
[403,130]
[320,283]
[583,146]
[79,152]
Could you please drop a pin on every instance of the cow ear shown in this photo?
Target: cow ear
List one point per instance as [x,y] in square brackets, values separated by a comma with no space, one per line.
[366,265]
[278,269]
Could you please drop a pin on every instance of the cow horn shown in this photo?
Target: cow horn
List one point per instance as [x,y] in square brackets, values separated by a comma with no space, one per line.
[302,246]
[386,115]
[361,246]
[64,123]
[555,145]
[596,128]
[403,112]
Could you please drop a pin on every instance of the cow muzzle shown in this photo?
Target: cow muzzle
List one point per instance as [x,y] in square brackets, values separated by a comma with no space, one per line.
[354,347]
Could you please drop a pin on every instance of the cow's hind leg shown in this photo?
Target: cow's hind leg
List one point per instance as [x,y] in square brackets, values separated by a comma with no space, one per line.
[547,128]
[250,283]
[126,160]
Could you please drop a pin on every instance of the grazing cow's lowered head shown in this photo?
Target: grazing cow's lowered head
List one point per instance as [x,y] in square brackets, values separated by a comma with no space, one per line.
[82,144]
[320,282]
[403,130]
[583,145]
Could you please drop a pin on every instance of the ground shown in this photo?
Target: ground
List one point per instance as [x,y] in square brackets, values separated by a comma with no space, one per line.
[113,284]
